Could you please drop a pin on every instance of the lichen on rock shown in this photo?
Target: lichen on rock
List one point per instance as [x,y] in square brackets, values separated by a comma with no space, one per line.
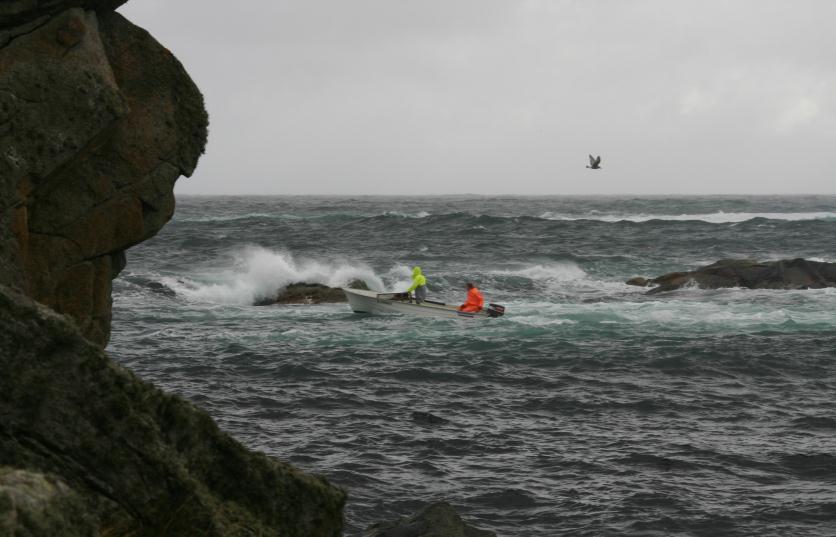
[33,503]
[144,462]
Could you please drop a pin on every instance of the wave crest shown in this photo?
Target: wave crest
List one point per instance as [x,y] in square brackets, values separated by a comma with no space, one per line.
[719,217]
[259,272]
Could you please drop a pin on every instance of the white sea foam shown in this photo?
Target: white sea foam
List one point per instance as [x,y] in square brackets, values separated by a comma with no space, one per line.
[558,272]
[236,217]
[399,214]
[258,272]
[738,310]
[539,320]
[719,217]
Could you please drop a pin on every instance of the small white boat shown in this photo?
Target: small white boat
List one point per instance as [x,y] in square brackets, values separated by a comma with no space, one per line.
[382,303]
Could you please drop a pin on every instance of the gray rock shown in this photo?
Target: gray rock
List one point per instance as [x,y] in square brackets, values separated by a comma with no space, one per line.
[438,519]
[34,504]
[747,273]
[309,293]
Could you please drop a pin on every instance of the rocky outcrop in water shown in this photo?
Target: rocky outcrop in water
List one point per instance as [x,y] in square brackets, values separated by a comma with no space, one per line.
[438,519]
[309,293]
[785,274]
[97,121]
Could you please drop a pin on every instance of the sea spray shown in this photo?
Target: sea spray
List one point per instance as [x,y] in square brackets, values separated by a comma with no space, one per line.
[256,272]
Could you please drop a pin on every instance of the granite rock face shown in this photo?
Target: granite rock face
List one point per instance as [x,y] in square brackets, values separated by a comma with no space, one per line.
[136,460]
[97,121]
[438,519]
[785,274]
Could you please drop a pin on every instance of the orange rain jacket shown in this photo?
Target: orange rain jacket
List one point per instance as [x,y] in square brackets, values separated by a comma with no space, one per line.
[474,301]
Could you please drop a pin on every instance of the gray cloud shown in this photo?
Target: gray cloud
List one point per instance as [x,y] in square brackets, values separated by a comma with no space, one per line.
[508,96]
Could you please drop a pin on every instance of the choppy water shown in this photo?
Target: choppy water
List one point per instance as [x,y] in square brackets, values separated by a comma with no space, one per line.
[589,409]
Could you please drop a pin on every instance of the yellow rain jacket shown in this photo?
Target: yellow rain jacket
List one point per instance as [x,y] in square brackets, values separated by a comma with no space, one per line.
[418,279]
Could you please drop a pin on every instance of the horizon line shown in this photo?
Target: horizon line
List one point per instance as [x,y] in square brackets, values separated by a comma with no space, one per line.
[471,194]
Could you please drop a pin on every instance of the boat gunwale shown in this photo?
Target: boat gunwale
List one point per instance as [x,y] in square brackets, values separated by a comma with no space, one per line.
[374,295]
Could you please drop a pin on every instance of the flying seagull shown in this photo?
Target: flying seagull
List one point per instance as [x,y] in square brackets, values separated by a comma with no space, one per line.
[594,162]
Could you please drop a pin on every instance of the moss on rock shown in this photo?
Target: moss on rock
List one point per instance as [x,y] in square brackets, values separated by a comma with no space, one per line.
[144,462]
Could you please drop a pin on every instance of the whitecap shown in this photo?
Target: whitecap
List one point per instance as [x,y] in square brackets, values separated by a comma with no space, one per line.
[720,217]
[399,214]
[259,272]
[566,271]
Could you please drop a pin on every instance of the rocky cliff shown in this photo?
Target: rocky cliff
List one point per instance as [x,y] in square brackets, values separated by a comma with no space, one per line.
[97,121]
[143,462]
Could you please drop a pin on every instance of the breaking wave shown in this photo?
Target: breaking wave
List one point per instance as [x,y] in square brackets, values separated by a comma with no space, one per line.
[258,272]
[559,272]
[719,217]
[399,214]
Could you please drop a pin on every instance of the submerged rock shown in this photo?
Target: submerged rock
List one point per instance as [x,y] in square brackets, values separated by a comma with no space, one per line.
[438,519]
[161,288]
[784,274]
[310,293]
[427,418]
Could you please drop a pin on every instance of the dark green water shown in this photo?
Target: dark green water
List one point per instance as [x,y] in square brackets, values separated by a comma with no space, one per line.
[589,409]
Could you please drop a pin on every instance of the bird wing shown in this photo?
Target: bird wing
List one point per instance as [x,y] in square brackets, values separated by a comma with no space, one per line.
[597,160]
[591,160]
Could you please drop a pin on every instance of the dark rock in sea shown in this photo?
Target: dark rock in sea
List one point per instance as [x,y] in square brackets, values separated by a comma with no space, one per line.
[438,519]
[142,462]
[427,418]
[161,289]
[785,274]
[309,293]
[97,121]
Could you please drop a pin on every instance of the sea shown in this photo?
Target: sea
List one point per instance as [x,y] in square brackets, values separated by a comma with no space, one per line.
[589,409]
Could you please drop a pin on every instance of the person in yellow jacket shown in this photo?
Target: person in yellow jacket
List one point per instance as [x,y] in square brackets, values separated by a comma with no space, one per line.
[419,285]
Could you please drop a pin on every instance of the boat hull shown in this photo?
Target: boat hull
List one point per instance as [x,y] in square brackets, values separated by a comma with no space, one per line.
[362,301]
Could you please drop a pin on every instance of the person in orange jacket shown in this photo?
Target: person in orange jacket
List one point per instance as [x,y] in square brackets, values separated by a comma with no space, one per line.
[474,301]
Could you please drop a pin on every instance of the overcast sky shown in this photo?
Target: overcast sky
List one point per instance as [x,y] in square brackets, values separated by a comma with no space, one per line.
[508,97]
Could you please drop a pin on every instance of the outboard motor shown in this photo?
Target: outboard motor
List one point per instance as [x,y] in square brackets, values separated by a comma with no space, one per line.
[495,310]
